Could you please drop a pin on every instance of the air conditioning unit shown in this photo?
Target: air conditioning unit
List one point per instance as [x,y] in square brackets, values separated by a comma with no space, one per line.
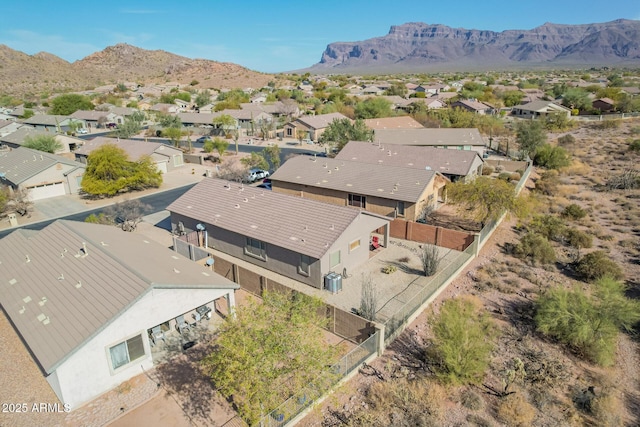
[333,282]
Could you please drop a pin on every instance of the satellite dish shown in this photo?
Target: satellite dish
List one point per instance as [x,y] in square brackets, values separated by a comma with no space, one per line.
[199,227]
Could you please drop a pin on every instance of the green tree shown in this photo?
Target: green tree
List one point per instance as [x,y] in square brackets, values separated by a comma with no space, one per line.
[272,154]
[596,265]
[536,249]
[373,108]
[27,114]
[551,157]
[588,322]
[577,98]
[174,135]
[46,143]
[341,131]
[268,351]
[220,146]
[225,122]
[512,97]
[131,126]
[203,98]
[484,199]
[530,135]
[168,121]
[4,199]
[70,103]
[110,172]
[463,340]
[255,160]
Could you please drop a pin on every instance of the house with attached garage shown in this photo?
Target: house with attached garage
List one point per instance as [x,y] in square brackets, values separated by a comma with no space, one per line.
[391,191]
[85,299]
[466,139]
[298,238]
[165,157]
[52,123]
[42,174]
[455,165]
[312,126]
[534,109]
[97,119]
[22,135]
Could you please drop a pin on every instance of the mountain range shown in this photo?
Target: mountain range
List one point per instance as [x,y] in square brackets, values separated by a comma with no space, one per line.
[22,74]
[419,47]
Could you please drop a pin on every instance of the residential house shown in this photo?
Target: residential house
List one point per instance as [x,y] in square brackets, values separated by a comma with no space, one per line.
[275,109]
[445,97]
[97,119]
[166,108]
[165,157]
[200,119]
[372,90]
[298,238]
[432,89]
[9,126]
[531,95]
[19,137]
[84,298]
[391,191]
[397,122]
[51,123]
[454,165]
[248,119]
[630,90]
[532,110]
[182,104]
[451,138]
[259,98]
[474,106]
[42,174]
[313,126]
[604,105]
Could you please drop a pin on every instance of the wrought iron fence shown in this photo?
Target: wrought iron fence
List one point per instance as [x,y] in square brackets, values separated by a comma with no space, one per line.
[297,403]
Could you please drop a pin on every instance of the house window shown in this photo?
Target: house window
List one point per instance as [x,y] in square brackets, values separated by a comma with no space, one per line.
[177,160]
[289,132]
[357,201]
[354,245]
[304,267]
[256,249]
[334,259]
[467,148]
[400,209]
[127,352]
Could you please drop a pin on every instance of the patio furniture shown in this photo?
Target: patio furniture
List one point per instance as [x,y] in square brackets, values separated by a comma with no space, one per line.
[181,324]
[157,334]
[375,242]
[204,311]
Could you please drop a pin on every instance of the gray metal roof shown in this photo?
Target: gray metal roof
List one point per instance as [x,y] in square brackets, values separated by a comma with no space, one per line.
[429,136]
[92,115]
[199,118]
[301,225]
[389,182]
[58,296]
[134,149]
[445,161]
[16,166]
[19,135]
[541,105]
[45,119]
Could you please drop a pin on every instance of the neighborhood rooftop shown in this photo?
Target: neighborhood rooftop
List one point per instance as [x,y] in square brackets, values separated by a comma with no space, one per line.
[391,182]
[452,162]
[135,149]
[60,286]
[301,225]
[429,136]
[22,163]
[320,121]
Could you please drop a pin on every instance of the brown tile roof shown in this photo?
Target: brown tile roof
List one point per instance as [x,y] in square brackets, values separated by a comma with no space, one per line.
[301,225]
[450,162]
[16,166]
[429,136]
[135,149]
[90,115]
[400,122]
[320,121]
[389,182]
[45,119]
[58,298]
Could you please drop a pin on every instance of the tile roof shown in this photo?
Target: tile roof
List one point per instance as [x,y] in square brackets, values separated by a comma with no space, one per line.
[301,225]
[400,122]
[429,136]
[320,121]
[135,149]
[90,115]
[45,119]
[450,162]
[389,182]
[199,118]
[19,135]
[58,296]
[540,105]
[16,166]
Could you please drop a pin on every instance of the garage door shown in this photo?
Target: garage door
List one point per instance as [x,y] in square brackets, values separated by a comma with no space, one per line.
[162,167]
[40,192]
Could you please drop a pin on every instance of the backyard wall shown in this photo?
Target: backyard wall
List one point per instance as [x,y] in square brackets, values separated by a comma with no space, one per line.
[417,232]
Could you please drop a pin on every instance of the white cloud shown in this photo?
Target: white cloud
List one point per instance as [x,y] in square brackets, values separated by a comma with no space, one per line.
[31,42]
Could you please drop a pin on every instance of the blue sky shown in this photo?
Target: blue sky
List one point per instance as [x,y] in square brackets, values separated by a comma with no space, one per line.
[271,35]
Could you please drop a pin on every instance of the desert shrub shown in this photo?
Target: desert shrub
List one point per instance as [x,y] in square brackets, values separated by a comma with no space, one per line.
[574,211]
[635,130]
[535,248]
[389,269]
[506,176]
[368,299]
[607,124]
[626,180]
[566,140]
[551,157]
[471,400]
[514,410]
[607,410]
[430,258]
[478,421]
[487,170]
[577,240]
[548,183]
[549,226]
[635,145]
[402,403]
[596,265]
[588,321]
[515,176]
[463,340]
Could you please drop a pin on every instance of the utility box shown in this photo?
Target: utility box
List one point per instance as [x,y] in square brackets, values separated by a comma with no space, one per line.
[333,282]
[13,221]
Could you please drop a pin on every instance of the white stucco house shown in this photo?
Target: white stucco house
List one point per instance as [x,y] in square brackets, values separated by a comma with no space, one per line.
[84,298]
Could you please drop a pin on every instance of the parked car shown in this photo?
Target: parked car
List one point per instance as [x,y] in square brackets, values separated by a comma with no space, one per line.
[202,139]
[82,131]
[256,174]
[111,126]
